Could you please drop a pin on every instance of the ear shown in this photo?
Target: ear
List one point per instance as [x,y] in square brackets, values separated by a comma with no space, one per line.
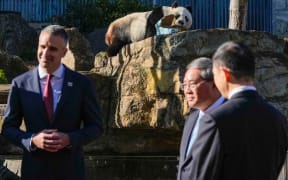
[175,4]
[189,8]
[167,21]
[227,73]
[65,51]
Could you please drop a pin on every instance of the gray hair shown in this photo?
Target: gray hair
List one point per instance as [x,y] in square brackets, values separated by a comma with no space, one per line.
[57,30]
[205,65]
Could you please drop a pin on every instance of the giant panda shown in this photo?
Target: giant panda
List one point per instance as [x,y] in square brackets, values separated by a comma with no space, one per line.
[140,25]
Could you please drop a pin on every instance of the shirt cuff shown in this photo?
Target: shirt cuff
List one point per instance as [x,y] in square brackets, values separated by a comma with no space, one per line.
[32,147]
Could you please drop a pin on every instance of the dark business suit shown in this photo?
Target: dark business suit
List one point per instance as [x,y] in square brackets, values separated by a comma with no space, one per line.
[244,139]
[77,102]
[189,126]
[186,159]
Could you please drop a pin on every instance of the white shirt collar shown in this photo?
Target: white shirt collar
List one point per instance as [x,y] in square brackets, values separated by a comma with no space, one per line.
[240,89]
[58,73]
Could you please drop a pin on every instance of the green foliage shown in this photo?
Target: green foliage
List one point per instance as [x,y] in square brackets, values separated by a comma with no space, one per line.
[3,79]
[86,17]
[120,8]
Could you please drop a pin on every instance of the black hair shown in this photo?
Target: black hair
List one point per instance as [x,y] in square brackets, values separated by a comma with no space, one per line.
[237,57]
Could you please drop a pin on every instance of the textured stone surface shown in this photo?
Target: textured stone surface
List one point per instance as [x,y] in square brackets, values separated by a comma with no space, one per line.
[16,36]
[79,56]
[12,65]
[97,40]
[4,90]
[141,105]
[109,167]
[148,74]
[138,90]
[114,168]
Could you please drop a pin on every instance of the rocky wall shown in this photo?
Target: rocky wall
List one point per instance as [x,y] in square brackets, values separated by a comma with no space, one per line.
[141,105]
[16,36]
[146,75]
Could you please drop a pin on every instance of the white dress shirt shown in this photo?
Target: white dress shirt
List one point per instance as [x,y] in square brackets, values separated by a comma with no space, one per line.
[56,83]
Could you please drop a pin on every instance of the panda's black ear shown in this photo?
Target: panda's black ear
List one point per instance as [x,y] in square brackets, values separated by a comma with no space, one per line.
[175,4]
[189,8]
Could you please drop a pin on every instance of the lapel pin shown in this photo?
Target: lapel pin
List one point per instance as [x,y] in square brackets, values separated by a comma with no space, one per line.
[70,84]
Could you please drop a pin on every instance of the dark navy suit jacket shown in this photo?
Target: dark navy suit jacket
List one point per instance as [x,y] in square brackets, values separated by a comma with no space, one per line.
[77,114]
[243,139]
[185,159]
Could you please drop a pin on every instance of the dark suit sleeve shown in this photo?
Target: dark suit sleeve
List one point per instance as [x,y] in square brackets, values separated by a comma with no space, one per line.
[207,151]
[90,114]
[13,119]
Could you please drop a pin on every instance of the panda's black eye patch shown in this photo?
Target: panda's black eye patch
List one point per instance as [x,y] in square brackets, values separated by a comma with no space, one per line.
[177,16]
[186,18]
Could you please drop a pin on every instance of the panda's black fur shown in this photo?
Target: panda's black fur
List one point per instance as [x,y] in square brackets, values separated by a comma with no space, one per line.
[153,18]
[120,32]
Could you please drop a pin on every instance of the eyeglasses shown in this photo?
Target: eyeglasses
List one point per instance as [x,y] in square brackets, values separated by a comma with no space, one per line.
[191,85]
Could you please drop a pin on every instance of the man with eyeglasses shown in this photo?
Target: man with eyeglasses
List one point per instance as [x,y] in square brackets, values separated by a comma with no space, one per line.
[246,137]
[202,96]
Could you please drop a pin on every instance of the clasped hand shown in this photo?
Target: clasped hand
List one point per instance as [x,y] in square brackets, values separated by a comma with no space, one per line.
[51,140]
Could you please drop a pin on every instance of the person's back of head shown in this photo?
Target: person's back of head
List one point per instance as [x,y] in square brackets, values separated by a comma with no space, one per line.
[238,58]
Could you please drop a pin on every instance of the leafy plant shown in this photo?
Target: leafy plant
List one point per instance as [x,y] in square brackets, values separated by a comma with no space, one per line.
[98,14]
[3,79]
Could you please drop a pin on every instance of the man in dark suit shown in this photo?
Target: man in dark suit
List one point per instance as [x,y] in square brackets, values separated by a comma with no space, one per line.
[245,138]
[56,129]
[202,96]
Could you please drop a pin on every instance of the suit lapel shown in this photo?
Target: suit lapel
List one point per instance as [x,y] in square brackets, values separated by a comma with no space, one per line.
[33,85]
[66,92]
[187,132]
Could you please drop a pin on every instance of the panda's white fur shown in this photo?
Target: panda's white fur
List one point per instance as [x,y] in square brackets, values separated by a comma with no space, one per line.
[140,25]
[131,27]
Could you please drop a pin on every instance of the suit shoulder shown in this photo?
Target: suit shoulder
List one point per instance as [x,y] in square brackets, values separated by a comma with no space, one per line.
[273,110]
[223,111]
[24,76]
